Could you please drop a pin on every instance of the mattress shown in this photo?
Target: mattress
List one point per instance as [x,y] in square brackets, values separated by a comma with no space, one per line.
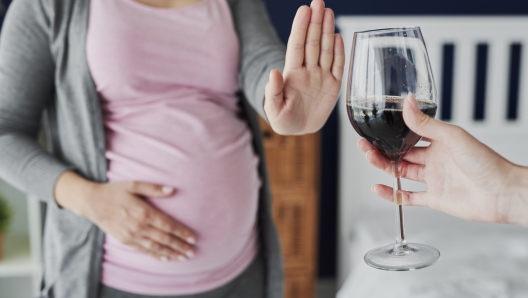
[477,259]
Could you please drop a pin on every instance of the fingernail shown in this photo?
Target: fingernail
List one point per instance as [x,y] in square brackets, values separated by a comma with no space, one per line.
[167,190]
[190,253]
[164,259]
[372,187]
[367,154]
[191,240]
[357,144]
[182,258]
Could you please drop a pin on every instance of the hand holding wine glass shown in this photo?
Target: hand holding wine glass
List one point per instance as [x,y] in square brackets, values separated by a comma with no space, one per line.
[386,66]
[465,178]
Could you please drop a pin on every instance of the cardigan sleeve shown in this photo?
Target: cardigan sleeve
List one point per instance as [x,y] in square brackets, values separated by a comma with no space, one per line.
[261,49]
[26,88]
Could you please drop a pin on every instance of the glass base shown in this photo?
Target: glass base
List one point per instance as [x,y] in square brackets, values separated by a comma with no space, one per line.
[411,256]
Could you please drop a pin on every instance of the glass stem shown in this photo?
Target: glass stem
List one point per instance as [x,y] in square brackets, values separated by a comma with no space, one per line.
[401,244]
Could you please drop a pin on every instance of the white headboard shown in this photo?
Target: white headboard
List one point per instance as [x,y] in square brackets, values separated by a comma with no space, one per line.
[463,35]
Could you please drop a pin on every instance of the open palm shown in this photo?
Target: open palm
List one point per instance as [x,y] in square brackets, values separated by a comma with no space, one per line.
[300,100]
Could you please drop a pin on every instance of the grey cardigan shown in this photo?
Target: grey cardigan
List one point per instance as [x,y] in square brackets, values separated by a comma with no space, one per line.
[43,71]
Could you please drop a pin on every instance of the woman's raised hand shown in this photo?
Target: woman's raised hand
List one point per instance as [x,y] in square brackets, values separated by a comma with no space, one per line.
[300,100]
[464,177]
[119,210]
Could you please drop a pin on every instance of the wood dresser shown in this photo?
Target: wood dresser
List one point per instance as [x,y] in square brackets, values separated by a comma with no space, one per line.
[293,166]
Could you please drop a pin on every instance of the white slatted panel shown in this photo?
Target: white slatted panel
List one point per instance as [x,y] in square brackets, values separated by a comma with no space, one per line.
[523,84]
[497,82]
[435,50]
[508,138]
[465,61]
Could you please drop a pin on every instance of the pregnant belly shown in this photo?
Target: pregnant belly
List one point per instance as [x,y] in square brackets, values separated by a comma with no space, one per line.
[216,194]
[218,201]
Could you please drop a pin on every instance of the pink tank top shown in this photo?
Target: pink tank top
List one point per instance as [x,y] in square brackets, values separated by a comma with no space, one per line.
[167,80]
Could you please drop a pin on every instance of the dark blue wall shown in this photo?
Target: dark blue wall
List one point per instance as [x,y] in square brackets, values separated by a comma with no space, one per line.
[3,6]
[282,13]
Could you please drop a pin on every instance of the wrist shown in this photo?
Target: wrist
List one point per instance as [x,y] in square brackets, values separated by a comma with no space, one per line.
[72,192]
[516,196]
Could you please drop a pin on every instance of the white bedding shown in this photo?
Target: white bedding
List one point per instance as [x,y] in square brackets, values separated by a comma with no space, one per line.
[477,259]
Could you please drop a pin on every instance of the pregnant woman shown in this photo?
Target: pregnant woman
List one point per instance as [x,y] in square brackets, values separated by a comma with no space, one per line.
[154,174]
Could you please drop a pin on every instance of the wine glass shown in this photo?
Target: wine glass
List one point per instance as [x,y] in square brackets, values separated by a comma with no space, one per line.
[386,66]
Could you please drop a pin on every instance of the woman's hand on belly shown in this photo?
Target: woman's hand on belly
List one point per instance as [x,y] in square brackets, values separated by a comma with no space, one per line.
[119,210]
[300,100]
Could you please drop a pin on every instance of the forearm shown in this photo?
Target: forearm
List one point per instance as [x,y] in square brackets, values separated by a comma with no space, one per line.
[261,49]
[517,197]
[27,71]
[26,165]
[71,191]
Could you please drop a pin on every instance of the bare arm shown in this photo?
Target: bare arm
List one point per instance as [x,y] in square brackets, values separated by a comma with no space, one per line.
[518,197]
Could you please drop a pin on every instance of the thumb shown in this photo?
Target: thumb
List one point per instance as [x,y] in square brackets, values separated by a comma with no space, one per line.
[274,93]
[420,123]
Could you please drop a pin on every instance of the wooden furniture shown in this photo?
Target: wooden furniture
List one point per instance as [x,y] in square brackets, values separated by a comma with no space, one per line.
[293,166]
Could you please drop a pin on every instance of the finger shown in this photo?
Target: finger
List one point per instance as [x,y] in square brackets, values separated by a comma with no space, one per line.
[379,161]
[169,241]
[313,38]
[422,124]
[409,198]
[364,145]
[338,65]
[416,155]
[168,224]
[156,249]
[408,170]
[328,40]
[145,214]
[297,39]
[149,189]
[274,94]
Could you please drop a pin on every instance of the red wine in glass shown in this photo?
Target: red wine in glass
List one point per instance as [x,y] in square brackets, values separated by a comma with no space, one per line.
[382,124]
